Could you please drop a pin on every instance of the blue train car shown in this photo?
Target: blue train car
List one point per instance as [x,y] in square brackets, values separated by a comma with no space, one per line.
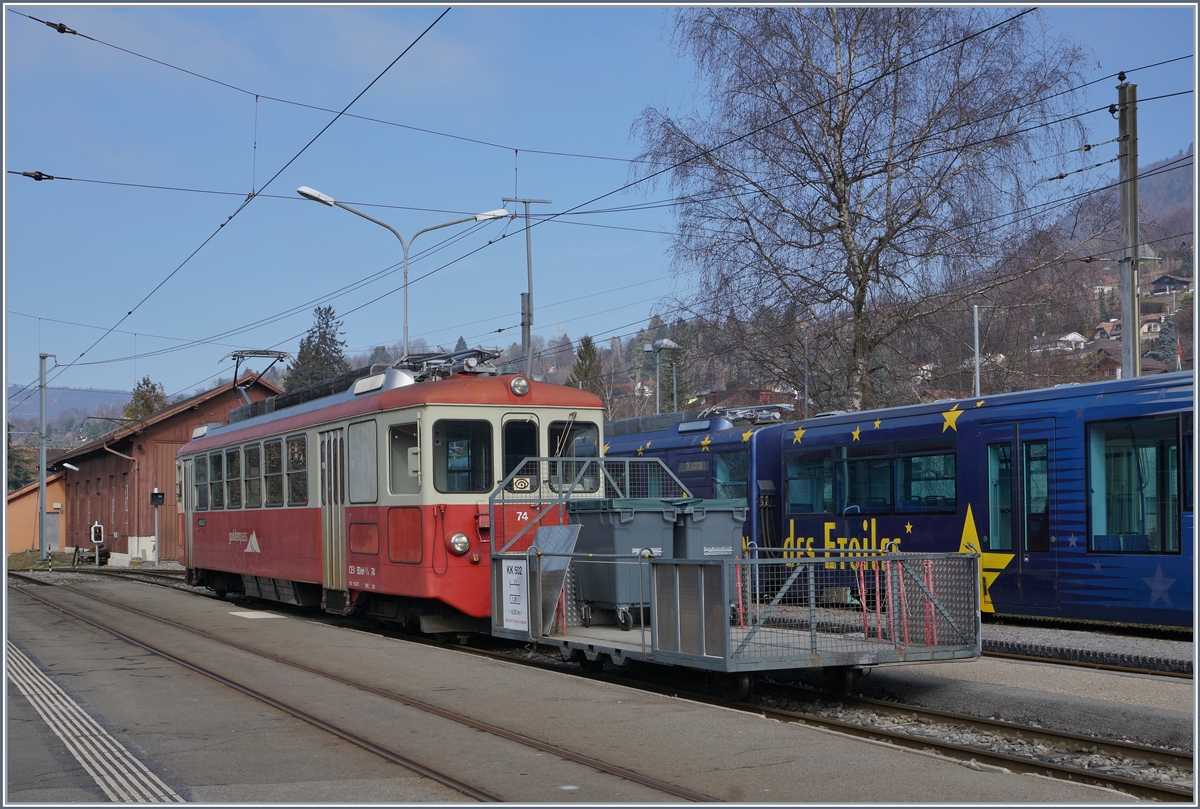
[716,454]
[1079,497]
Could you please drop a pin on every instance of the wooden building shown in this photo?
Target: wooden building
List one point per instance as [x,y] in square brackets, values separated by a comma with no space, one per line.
[117,474]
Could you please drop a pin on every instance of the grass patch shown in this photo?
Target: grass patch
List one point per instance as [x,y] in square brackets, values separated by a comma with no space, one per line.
[28,560]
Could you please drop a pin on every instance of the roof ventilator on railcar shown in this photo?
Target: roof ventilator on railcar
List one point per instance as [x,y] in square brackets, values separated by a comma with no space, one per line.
[753,414]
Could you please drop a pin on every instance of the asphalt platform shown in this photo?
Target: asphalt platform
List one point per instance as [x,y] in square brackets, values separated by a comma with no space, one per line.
[207,743]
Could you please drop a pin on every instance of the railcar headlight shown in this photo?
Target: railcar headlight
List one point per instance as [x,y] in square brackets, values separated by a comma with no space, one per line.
[459,544]
[519,385]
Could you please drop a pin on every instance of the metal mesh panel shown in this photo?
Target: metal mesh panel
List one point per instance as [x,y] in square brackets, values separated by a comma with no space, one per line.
[538,491]
[843,611]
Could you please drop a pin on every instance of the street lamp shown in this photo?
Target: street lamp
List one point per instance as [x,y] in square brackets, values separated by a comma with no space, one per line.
[325,199]
[658,348]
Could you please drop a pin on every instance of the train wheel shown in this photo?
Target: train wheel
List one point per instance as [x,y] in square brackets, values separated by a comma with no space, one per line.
[839,679]
[738,686]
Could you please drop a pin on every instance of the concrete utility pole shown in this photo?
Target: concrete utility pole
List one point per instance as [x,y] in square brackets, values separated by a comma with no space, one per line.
[1131,356]
[43,540]
[527,297]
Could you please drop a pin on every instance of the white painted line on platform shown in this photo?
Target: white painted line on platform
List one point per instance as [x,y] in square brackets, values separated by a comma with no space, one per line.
[117,771]
[254,614]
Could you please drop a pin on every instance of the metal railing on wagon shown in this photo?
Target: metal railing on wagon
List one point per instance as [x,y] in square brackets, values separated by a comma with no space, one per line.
[735,612]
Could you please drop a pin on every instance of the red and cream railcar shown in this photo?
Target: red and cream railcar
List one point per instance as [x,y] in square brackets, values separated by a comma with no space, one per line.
[373,500]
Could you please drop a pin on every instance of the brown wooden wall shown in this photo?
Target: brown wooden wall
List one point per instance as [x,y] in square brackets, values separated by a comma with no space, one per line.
[116,490]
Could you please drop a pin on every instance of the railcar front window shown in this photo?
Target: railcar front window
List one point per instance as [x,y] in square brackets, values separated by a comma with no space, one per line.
[297,470]
[462,456]
[233,477]
[520,441]
[273,466]
[575,439]
[200,469]
[253,476]
[810,483]
[729,474]
[1133,473]
[215,483]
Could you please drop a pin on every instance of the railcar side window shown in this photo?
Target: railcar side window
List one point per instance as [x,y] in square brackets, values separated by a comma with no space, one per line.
[402,439]
[1035,466]
[729,474]
[462,456]
[1000,497]
[233,477]
[273,458]
[864,477]
[1133,479]
[214,481]
[363,469]
[810,482]
[297,470]
[926,482]
[1189,483]
[200,469]
[253,455]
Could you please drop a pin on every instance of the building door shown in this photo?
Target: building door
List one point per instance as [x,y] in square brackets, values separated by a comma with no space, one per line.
[170,544]
[1020,513]
[333,519]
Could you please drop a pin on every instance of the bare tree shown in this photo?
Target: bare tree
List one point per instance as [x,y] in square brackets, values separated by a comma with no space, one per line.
[857,171]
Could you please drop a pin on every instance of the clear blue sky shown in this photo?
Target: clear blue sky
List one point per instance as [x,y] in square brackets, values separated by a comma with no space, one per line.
[80,255]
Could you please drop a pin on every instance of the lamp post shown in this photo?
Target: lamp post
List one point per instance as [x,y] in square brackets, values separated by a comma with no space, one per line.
[325,199]
[658,348]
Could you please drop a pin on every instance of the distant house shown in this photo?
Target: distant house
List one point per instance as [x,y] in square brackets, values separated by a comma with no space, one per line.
[117,473]
[1151,326]
[1108,331]
[1105,359]
[1166,284]
[1071,341]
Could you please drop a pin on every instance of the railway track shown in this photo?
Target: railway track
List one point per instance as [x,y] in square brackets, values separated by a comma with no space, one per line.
[1096,666]
[903,725]
[465,788]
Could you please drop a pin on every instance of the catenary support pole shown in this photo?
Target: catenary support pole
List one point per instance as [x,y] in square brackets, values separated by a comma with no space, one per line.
[43,539]
[1130,309]
[527,298]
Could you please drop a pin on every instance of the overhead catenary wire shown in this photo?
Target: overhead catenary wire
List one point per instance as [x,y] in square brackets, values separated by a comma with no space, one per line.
[612,226]
[60,369]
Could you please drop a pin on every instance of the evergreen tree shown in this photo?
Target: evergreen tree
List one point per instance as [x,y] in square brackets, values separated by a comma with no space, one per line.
[321,353]
[461,345]
[379,356]
[148,397]
[22,467]
[587,373]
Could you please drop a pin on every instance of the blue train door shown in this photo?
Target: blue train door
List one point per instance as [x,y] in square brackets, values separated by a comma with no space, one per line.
[1019,513]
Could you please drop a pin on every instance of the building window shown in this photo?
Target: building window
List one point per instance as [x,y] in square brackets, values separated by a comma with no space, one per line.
[297,470]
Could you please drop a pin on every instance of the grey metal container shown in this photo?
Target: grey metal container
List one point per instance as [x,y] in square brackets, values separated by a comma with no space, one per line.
[708,528]
[617,532]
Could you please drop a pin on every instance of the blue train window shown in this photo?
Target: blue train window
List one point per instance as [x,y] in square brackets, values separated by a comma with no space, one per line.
[1189,483]
[864,480]
[927,484]
[1133,479]
[729,474]
[810,483]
